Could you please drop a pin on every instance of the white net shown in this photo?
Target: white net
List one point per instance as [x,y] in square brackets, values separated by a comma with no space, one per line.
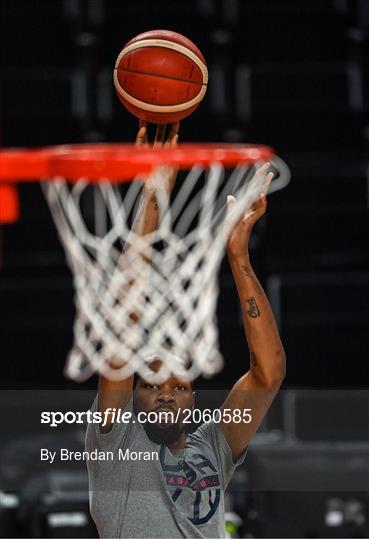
[155,295]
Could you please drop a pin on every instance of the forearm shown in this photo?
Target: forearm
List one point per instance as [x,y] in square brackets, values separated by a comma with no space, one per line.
[133,267]
[267,358]
[147,218]
[116,394]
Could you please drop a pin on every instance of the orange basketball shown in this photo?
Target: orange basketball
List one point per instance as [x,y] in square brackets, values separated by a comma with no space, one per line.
[160,76]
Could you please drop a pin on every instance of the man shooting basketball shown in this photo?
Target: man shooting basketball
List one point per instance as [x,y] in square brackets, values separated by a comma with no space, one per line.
[177,489]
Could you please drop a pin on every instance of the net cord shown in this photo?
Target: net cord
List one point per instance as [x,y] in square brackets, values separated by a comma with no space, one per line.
[177,287]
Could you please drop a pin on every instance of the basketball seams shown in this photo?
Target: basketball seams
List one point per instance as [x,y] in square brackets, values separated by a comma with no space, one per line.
[128,70]
[148,107]
[169,35]
[166,45]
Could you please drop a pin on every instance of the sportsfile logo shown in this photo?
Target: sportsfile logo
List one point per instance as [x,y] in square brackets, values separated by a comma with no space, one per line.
[110,415]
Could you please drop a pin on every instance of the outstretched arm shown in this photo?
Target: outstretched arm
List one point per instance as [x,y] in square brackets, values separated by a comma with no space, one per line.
[257,388]
[116,394]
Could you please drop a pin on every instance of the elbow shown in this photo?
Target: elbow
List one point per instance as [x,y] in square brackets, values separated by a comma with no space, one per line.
[272,379]
[277,382]
[274,382]
[279,372]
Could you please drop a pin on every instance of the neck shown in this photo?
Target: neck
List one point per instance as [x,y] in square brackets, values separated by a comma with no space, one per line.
[179,444]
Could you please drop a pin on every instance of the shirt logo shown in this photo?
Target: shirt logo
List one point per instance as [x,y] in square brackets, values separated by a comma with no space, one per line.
[197,476]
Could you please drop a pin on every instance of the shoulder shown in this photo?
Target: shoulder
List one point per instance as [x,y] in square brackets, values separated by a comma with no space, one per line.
[206,436]
[210,441]
[122,431]
[206,431]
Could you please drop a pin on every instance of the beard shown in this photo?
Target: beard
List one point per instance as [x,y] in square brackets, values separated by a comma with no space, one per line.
[163,433]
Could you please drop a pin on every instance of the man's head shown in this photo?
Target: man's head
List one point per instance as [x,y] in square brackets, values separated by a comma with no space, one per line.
[172,395]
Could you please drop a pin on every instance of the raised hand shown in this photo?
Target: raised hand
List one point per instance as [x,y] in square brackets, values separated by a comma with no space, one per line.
[162,140]
[238,241]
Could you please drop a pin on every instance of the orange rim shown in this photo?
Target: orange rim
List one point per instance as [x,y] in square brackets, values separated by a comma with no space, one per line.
[119,162]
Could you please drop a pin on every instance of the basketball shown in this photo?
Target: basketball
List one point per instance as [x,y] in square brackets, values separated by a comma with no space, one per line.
[160,76]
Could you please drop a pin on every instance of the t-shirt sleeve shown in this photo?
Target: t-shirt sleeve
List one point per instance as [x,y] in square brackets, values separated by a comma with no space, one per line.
[211,433]
[120,436]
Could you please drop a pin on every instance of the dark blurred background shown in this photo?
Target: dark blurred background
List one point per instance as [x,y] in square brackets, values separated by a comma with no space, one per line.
[289,73]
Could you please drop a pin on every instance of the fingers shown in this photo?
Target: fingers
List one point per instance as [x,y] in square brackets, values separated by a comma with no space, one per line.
[141,138]
[160,135]
[252,213]
[265,166]
[230,201]
[266,184]
[259,206]
[253,209]
[260,203]
[169,141]
[172,137]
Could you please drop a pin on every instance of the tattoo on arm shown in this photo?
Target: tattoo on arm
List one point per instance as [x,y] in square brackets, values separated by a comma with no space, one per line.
[253,310]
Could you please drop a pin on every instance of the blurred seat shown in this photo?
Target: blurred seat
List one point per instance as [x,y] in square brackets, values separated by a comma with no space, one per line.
[42,500]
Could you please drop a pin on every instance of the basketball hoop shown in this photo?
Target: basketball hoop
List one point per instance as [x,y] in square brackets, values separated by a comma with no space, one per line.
[143,296]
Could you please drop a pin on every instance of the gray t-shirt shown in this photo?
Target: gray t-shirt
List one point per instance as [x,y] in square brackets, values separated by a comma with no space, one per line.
[176,494]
